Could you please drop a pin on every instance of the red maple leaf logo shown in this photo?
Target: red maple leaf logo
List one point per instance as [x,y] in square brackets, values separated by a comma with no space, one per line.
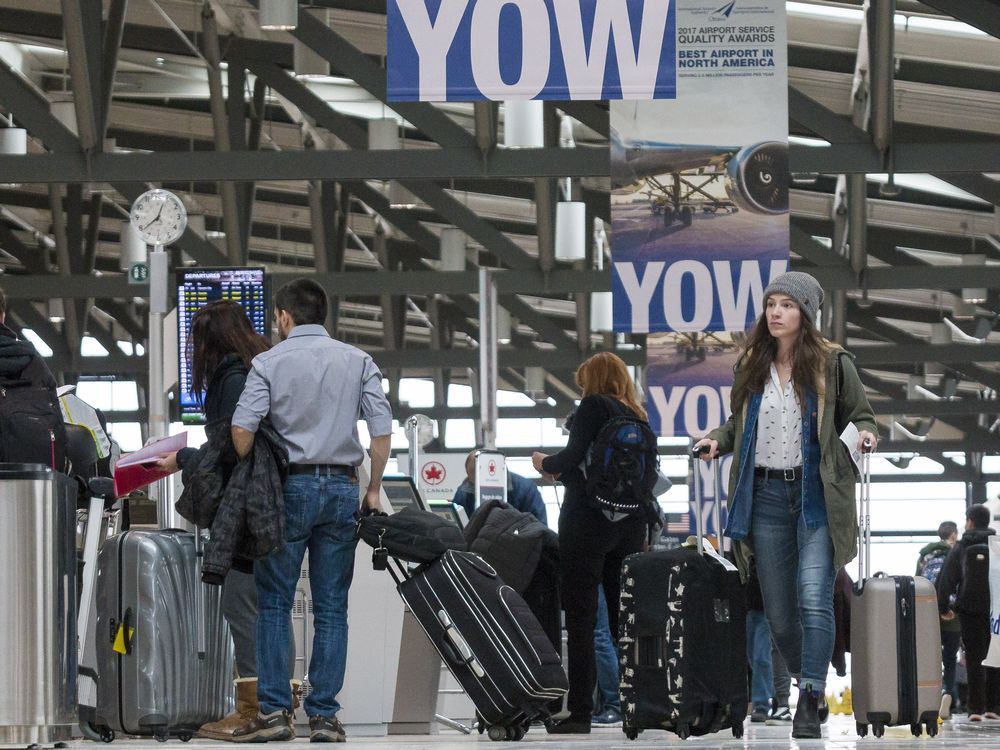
[434,472]
[493,468]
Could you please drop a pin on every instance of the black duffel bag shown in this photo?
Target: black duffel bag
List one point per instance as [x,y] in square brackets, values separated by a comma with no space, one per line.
[413,535]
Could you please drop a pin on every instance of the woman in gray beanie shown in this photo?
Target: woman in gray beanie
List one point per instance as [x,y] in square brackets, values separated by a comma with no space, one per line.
[792,486]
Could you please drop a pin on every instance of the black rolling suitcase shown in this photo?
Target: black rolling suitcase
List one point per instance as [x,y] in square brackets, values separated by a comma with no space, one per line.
[683,641]
[489,639]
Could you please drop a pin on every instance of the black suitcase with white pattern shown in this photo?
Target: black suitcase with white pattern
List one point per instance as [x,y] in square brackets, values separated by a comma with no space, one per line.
[488,637]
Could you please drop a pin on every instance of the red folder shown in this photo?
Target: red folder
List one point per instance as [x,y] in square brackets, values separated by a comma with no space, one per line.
[139,469]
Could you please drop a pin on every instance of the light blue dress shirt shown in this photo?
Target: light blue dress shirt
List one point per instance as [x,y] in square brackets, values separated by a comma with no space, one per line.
[315,389]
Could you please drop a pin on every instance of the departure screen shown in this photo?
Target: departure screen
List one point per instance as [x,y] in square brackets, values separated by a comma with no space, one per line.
[196,287]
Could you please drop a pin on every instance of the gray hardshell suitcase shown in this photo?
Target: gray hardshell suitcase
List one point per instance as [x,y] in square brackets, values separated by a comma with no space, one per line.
[893,681]
[172,669]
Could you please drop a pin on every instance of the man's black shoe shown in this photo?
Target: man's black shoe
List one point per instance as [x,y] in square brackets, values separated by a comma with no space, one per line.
[806,724]
[276,727]
[569,725]
[824,711]
[326,729]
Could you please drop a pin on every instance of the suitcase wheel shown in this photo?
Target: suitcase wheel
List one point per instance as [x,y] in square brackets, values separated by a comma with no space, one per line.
[497,733]
[161,735]
[878,729]
[683,731]
[515,734]
[862,729]
[738,730]
[185,736]
[932,728]
[916,729]
[632,733]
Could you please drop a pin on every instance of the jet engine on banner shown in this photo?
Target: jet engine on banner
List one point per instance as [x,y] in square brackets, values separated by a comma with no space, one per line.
[758,178]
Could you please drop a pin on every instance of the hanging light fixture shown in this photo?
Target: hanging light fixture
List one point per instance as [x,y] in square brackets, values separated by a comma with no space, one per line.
[383,135]
[453,244]
[974,295]
[571,230]
[132,248]
[13,142]
[940,334]
[601,312]
[279,15]
[505,326]
[534,383]
[524,124]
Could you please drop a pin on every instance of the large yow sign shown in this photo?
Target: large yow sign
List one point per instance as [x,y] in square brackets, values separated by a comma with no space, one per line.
[466,50]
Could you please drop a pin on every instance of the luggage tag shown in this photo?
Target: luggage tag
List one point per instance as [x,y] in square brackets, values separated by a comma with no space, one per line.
[380,555]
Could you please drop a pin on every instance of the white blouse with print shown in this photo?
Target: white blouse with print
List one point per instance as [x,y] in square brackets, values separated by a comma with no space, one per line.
[779,426]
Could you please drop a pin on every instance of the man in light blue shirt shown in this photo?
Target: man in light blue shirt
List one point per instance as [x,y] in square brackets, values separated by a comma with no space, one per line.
[313,389]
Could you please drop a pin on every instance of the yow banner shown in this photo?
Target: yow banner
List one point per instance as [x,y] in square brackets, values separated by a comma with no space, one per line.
[467,50]
[714,490]
[689,378]
[699,204]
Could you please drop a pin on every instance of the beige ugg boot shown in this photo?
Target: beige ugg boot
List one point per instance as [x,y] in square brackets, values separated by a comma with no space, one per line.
[246,710]
[296,695]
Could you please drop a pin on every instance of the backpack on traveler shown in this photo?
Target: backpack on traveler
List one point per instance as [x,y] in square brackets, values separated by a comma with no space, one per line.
[929,566]
[974,590]
[621,469]
[31,423]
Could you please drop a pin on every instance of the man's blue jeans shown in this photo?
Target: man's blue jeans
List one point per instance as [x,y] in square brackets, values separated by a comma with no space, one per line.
[320,515]
[759,656]
[606,657]
[795,565]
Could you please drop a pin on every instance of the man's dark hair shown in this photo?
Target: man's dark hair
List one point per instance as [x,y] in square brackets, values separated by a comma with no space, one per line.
[979,515]
[304,300]
[946,529]
[3,303]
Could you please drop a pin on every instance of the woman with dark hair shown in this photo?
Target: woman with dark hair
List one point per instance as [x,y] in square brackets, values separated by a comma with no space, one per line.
[592,546]
[792,483]
[222,344]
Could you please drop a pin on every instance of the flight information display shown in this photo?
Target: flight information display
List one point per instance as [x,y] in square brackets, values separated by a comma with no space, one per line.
[196,287]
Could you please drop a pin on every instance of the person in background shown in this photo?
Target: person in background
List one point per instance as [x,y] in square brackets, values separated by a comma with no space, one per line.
[965,576]
[792,483]
[522,493]
[929,565]
[313,389]
[608,706]
[591,545]
[758,651]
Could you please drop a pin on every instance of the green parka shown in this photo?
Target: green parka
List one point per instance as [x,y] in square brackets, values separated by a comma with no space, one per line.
[840,382]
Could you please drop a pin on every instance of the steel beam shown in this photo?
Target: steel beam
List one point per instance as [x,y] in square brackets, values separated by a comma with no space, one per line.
[457,359]
[823,122]
[82,26]
[910,158]
[351,283]
[981,14]
[113,31]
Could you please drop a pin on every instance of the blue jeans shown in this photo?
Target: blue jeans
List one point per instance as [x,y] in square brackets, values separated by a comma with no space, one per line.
[759,656]
[606,657]
[795,565]
[320,515]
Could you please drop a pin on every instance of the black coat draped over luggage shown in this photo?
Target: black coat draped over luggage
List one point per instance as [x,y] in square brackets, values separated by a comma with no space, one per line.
[244,507]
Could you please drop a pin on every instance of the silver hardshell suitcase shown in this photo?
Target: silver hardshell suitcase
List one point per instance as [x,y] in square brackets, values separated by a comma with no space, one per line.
[895,632]
[164,651]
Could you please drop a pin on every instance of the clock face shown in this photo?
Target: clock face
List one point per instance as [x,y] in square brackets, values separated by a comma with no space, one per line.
[160,217]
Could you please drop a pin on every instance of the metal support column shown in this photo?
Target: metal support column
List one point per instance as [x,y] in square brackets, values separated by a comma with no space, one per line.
[488,374]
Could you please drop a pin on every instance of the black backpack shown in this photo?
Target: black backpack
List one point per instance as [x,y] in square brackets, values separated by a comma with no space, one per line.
[31,423]
[621,468]
[974,590]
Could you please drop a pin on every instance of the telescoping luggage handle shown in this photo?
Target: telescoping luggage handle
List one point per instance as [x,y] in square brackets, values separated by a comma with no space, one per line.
[864,515]
[699,504]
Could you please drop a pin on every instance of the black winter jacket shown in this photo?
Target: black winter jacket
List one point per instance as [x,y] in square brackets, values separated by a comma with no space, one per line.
[250,519]
[221,397]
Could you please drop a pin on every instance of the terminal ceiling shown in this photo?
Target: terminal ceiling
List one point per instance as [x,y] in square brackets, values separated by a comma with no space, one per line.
[905,275]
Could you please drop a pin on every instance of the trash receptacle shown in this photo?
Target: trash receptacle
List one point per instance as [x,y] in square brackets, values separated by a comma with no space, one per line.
[37,605]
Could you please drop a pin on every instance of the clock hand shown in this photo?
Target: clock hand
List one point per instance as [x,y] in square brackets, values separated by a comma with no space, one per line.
[154,220]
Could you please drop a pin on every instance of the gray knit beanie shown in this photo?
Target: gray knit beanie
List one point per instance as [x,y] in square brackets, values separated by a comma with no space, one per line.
[802,288]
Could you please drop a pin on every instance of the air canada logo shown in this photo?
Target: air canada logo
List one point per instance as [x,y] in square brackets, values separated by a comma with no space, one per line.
[493,468]
[434,473]
[723,13]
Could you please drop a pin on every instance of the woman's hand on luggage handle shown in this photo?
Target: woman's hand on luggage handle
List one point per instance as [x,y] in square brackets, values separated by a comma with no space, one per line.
[713,449]
[168,463]
[866,437]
